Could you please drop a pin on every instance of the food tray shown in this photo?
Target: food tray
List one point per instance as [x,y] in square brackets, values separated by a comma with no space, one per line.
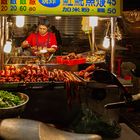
[97,62]
[60,60]
[22,60]
[23,85]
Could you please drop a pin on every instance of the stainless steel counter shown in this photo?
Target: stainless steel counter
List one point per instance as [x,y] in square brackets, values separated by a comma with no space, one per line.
[20,61]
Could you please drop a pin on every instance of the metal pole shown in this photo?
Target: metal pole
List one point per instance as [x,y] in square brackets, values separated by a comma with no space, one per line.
[0,41]
[93,40]
[112,43]
[2,20]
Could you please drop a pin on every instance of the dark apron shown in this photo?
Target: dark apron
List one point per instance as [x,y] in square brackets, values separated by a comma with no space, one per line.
[40,45]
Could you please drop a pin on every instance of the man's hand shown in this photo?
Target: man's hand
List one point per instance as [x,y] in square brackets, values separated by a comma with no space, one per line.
[25,44]
[51,50]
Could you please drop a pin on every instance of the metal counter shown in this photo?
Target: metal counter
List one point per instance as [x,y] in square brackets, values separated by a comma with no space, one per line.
[20,61]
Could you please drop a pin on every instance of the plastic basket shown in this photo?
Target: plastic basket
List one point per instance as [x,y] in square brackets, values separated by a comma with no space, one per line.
[60,60]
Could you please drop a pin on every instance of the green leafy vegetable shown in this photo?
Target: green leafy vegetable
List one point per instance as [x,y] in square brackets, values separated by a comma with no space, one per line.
[9,99]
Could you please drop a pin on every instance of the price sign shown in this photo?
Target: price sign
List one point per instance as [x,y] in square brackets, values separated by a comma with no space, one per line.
[61,7]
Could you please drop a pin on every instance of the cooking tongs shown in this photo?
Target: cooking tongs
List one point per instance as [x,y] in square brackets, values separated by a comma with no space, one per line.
[51,56]
[43,59]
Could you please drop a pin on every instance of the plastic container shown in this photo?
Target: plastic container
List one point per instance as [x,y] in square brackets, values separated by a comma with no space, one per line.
[60,60]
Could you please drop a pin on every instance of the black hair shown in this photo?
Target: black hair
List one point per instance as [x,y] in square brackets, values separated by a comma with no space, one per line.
[53,28]
[44,22]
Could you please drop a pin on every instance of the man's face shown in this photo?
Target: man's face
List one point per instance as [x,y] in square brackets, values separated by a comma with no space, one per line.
[43,29]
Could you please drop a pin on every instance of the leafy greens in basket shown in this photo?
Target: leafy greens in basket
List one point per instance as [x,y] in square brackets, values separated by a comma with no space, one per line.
[9,99]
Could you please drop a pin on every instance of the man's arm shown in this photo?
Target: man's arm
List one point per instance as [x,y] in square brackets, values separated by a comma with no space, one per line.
[28,42]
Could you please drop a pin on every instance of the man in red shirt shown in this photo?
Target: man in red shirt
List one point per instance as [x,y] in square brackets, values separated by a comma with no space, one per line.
[42,41]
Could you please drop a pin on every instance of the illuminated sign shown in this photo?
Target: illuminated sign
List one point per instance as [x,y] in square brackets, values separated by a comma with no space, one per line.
[61,7]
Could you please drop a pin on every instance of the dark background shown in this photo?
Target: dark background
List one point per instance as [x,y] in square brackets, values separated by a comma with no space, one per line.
[131,4]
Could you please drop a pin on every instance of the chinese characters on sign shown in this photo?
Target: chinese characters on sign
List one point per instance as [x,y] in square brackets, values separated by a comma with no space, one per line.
[63,7]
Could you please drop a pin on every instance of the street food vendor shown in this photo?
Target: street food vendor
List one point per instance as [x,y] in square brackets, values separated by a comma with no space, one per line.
[41,42]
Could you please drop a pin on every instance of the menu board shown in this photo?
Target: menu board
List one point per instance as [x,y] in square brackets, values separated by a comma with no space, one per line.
[61,7]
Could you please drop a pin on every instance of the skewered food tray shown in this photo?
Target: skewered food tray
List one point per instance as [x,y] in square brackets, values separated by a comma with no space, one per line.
[34,75]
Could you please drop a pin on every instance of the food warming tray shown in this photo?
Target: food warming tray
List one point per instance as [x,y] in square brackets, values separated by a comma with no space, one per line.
[24,60]
[32,85]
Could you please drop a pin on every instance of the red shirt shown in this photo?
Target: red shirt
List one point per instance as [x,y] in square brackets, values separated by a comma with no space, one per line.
[49,40]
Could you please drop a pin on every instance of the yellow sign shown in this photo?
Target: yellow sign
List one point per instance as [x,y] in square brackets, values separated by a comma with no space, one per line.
[61,7]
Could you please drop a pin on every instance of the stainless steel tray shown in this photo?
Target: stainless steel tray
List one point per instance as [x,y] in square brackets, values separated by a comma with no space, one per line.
[21,59]
[24,60]
[32,85]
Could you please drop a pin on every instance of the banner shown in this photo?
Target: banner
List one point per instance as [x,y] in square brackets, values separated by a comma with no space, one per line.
[61,7]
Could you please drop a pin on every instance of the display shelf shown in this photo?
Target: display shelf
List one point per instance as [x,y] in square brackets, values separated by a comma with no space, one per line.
[33,85]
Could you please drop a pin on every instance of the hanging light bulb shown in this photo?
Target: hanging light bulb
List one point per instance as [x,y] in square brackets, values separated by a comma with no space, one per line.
[106,42]
[20,20]
[93,21]
[58,17]
[8,46]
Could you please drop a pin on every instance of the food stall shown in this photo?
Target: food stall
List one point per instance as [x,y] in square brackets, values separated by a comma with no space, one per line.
[13,65]
[33,75]
[33,8]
